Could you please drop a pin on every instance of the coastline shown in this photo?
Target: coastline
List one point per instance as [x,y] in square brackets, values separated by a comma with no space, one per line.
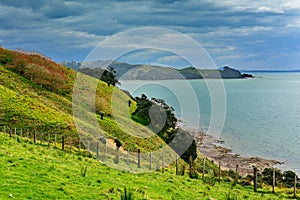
[211,149]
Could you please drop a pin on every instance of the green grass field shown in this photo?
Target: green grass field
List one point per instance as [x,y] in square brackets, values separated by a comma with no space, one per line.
[29,171]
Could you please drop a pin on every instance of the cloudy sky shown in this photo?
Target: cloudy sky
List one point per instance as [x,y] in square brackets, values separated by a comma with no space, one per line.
[245,34]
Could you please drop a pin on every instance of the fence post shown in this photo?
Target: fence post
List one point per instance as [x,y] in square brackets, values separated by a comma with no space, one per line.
[274,179]
[27,134]
[55,140]
[163,162]
[127,160]
[295,185]
[21,132]
[15,133]
[191,165]
[10,132]
[118,154]
[63,143]
[219,179]
[254,179]
[105,150]
[4,129]
[139,158]
[176,164]
[34,136]
[236,173]
[97,150]
[203,169]
[150,160]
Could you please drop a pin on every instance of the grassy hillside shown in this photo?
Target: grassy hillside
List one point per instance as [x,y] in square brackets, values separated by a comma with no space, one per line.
[35,92]
[29,171]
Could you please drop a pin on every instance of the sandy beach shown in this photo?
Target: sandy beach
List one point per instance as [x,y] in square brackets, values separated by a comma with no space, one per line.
[210,148]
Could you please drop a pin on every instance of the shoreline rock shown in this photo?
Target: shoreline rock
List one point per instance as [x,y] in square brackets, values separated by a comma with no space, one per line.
[209,147]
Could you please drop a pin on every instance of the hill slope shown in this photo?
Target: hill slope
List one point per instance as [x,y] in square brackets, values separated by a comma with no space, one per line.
[30,171]
[35,92]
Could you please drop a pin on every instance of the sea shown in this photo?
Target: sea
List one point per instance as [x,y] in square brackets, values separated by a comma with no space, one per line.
[255,117]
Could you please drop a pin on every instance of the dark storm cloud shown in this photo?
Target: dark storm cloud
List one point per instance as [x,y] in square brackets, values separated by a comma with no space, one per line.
[70,29]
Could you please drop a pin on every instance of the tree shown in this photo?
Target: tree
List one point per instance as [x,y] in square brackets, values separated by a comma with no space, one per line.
[289,178]
[267,176]
[109,76]
[161,112]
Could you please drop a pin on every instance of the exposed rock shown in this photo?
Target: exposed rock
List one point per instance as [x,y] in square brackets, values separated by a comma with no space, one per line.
[230,73]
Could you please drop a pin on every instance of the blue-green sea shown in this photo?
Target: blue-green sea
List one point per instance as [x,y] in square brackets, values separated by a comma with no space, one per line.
[262,114]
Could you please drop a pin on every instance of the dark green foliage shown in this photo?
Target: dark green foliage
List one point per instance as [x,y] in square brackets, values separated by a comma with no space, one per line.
[118,143]
[288,178]
[267,176]
[194,175]
[161,119]
[141,114]
[109,76]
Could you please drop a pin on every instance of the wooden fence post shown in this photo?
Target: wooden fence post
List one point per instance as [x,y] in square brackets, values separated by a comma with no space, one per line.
[176,165]
[105,150]
[97,153]
[15,133]
[191,165]
[203,169]
[163,162]
[236,173]
[34,136]
[127,159]
[27,134]
[274,179]
[139,158]
[150,160]
[4,129]
[10,132]
[254,179]
[55,140]
[118,154]
[63,143]
[21,132]
[219,179]
[295,185]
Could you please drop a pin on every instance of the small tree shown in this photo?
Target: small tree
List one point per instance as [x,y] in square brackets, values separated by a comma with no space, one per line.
[109,76]
[288,178]
[118,143]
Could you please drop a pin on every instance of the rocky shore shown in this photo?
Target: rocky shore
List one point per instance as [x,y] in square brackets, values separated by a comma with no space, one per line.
[210,148]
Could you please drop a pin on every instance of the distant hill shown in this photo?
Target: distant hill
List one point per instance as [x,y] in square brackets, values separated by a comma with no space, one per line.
[125,71]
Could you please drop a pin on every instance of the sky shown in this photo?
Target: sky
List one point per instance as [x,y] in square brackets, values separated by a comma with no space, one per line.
[244,34]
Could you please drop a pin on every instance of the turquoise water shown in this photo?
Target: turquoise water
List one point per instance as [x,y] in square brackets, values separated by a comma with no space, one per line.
[262,115]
